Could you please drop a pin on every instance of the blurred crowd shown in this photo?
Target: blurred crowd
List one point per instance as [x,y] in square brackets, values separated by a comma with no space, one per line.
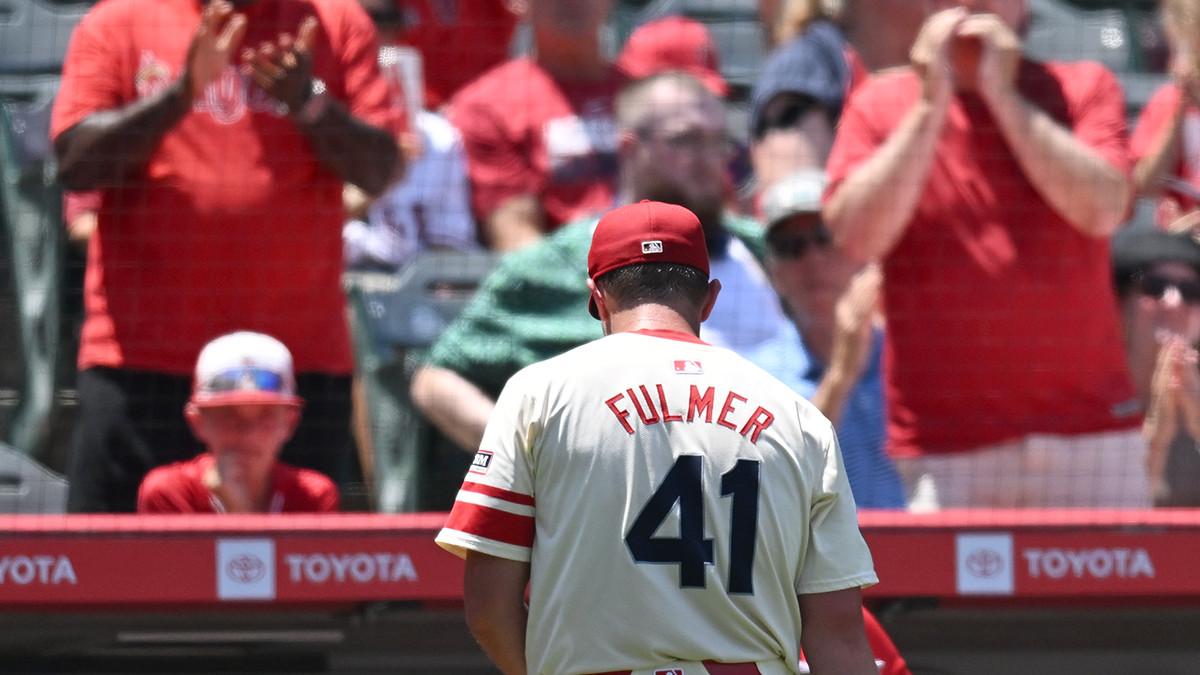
[975,262]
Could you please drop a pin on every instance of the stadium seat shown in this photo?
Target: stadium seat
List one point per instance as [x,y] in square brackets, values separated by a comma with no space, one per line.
[28,487]
[31,235]
[33,41]
[34,34]
[395,317]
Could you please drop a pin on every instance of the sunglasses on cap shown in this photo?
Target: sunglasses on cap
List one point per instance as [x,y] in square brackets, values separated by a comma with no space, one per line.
[245,379]
[1155,286]
[795,244]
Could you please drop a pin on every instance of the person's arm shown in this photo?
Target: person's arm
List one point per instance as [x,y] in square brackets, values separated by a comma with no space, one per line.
[458,408]
[107,146]
[517,222]
[871,208]
[1162,422]
[833,635]
[1082,186]
[851,343]
[1164,154]
[494,604]
[359,153]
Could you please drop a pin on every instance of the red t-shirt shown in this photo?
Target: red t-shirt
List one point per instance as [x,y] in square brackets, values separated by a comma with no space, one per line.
[233,224]
[1001,317]
[1153,122]
[526,134]
[179,488]
[458,41]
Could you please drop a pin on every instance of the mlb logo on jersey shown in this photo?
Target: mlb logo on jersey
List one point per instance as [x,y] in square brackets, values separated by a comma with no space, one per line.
[688,367]
[654,246]
[483,459]
[669,671]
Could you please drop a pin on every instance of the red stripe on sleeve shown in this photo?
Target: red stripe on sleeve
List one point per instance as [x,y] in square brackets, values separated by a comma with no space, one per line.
[489,523]
[498,493]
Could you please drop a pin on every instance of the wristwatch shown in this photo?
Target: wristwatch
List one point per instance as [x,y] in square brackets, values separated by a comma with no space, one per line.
[316,103]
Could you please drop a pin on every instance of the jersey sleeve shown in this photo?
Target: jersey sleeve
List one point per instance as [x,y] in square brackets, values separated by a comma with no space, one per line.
[837,556]
[494,510]
[160,492]
[498,165]
[92,79]
[320,493]
[857,137]
[1098,119]
[1153,120]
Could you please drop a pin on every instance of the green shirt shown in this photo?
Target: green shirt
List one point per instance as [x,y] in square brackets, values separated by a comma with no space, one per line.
[533,306]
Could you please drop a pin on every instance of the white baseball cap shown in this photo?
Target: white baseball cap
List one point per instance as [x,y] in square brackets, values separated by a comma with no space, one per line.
[799,192]
[244,367]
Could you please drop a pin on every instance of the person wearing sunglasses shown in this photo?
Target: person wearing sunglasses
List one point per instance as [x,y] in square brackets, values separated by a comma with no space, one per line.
[243,409]
[1156,276]
[830,352]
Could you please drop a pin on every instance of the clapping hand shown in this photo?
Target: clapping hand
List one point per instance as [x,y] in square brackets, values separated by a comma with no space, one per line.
[1174,401]
[283,69]
[1000,55]
[855,309]
[930,54]
[211,51]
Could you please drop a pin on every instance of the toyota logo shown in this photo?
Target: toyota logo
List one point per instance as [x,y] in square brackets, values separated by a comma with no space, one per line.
[985,563]
[246,569]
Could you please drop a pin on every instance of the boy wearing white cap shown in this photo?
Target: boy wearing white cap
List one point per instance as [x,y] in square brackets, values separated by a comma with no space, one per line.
[243,408]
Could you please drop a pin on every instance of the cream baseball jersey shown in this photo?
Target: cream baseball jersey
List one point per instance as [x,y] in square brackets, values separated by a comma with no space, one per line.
[672,500]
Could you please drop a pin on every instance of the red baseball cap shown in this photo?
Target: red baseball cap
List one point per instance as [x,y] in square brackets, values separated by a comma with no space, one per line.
[646,232]
[674,43]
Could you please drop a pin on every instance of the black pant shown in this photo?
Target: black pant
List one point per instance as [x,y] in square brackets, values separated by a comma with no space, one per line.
[132,421]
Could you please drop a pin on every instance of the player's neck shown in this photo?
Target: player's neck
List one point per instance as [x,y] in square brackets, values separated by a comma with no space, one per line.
[651,317]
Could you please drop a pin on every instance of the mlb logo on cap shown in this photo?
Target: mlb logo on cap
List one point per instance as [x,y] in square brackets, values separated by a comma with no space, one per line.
[646,232]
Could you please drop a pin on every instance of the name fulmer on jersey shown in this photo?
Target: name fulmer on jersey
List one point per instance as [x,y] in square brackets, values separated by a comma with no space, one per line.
[650,405]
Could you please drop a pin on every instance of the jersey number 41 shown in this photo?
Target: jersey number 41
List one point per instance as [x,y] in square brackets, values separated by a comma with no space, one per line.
[691,550]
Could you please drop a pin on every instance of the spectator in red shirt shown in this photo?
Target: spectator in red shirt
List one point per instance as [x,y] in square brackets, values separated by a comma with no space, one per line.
[988,186]
[458,41]
[220,140]
[539,131]
[1166,140]
[243,408]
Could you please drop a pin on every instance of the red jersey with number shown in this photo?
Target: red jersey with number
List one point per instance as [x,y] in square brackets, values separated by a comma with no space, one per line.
[233,224]
[180,488]
[526,133]
[1001,317]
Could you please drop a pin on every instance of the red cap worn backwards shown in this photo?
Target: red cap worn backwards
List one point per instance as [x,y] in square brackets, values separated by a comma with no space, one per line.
[646,232]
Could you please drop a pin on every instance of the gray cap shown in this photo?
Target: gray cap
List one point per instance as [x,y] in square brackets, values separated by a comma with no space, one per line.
[799,192]
[1137,249]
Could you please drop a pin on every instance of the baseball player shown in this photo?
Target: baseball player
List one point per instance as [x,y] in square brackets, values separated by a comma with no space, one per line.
[672,508]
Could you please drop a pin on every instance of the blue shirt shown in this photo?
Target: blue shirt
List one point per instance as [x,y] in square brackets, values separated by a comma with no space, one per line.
[873,478]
